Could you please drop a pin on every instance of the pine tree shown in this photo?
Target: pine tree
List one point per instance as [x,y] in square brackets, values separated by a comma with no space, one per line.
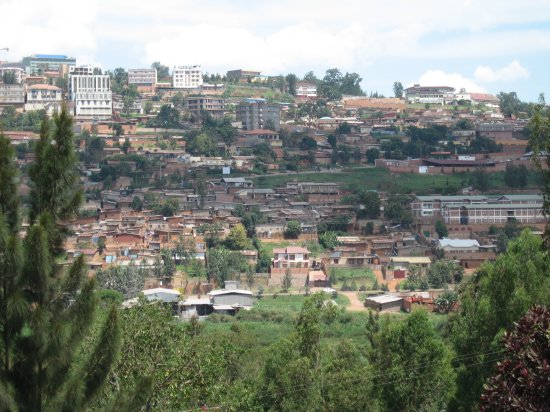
[45,311]
[9,201]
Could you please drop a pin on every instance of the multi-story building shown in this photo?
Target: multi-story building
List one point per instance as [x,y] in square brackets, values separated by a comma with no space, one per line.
[12,94]
[84,70]
[215,106]
[38,63]
[467,210]
[258,114]
[44,97]
[294,259]
[17,72]
[146,77]
[186,77]
[91,95]
[242,76]
[254,137]
[430,94]
[306,90]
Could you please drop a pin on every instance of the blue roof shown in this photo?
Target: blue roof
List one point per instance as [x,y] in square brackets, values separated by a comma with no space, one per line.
[51,56]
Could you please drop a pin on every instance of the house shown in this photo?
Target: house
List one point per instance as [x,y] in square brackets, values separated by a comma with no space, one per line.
[454,246]
[256,136]
[215,106]
[162,294]
[317,278]
[429,94]
[12,94]
[384,303]
[306,90]
[231,296]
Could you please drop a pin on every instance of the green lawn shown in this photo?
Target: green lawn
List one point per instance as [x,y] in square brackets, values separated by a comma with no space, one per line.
[361,276]
[382,179]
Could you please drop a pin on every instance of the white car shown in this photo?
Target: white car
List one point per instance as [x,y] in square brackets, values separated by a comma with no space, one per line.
[329,290]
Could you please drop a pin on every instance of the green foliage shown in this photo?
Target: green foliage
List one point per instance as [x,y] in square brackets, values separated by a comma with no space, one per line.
[127,280]
[441,229]
[415,364]
[328,239]
[293,229]
[398,89]
[498,295]
[515,176]
[237,240]
[372,155]
[287,280]
[9,200]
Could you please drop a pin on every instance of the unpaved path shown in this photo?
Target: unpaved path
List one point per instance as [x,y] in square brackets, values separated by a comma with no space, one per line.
[355,305]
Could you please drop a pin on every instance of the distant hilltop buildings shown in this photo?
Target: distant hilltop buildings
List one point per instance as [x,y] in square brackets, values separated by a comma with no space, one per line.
[443,95]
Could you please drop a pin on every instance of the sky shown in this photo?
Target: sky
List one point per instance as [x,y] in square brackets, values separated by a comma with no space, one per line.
[480,45]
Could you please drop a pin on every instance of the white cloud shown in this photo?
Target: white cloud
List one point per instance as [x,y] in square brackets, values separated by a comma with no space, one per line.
[512,71]
[456,80]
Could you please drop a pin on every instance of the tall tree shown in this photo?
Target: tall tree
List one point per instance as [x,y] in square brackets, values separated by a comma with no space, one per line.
[291,80]
[415,364]
[9,200]
[398,89]
[498,295]
[50,308]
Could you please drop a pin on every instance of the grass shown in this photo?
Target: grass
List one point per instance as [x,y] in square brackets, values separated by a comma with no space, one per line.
[361,276]
[382,179]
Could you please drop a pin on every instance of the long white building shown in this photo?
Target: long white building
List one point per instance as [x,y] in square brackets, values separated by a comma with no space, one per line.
[186,77]
[91,95]
[142,76]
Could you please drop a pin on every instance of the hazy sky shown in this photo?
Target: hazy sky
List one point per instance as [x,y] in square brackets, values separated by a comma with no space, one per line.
[481,45]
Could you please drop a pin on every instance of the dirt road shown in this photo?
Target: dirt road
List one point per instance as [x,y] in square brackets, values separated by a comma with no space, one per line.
[355,305]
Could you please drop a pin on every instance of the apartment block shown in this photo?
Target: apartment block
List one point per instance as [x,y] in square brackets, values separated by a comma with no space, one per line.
[186,77]
[142,76]
[91,95]
[215,106]
[258,114]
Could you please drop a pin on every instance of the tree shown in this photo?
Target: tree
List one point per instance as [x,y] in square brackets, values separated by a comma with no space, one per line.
[409,354]
[237,240]
[287,280]
[372,155]
[446,301]
[137,204]
[291,80]
[293,229]
[371,202]
[128,280]
[177,100]
[9,200]
[168,264]
[351,85]
[54,307]
[517,280]
[162,71]
[9,77]
[308,143]
[398,89]
[217,265]
[480,180]
[441,229]
[168,117]
[442,272]
[521,379]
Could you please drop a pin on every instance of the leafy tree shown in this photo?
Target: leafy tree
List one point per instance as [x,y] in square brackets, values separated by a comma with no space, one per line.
[441,229]
[237,240]
[510,104]
[521,380]
[442,272]
[168,264]
[9,77]
[351,85]
[291,80]
[177,100]
[293,229]
[328,239]
[498,295]
[308,143]
[168,117]
[217,265]
[408,355]
[372,155]
[398,89]
[137,204]
[480,180]
[446,301]
[331,139]
[128,280]
[287,280]
[371,202]
[201,144]
[162,71]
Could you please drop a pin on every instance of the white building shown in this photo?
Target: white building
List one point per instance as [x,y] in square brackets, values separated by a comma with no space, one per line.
[17,71]
[306,90]
[44,97]
[430,94]
[86,70]
[91,95]
[142,76]
[186,77]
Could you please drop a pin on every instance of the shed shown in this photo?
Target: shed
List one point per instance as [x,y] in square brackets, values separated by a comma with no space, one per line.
[384,303]
[165,295]
[231,297]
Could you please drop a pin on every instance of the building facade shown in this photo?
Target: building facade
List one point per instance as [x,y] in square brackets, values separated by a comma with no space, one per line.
[146,77]
[429,94]
[187,77]
[91,96]
[39,63]
[44,97]
[241,75]
[306,90]
[215,106]
[17,72]
[258,114]
[12,94]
